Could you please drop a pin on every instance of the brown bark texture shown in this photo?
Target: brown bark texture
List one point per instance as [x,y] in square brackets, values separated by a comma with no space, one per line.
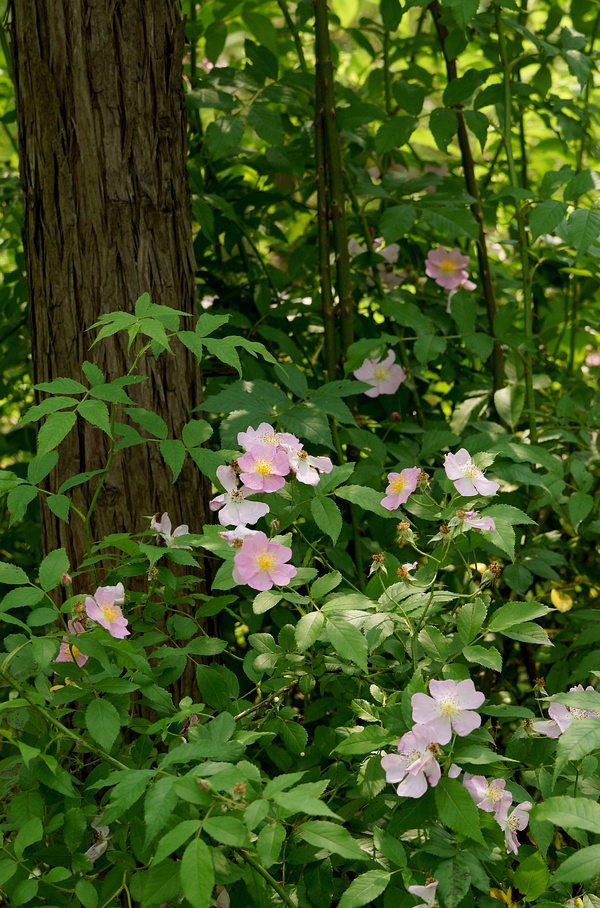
[102,135]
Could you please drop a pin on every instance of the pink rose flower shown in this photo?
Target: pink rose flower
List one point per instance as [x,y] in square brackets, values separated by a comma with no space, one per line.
[265,435]
[468,479]
[236,536]
[262,564]
[68,651]
[470,520]
[306,467]
[511,824]
[263,468]
[163,527]
[448,708]
[401,485]
[561,716]
[428,893]
[490,796]
[415,764]
[385,376]
[100,842]
[447,268]
[103,608]
[236,510]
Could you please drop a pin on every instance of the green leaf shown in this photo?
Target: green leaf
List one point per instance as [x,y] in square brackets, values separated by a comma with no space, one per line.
[173,453]
[367,499]
[93,374]
[265,601]
[443,125]
[162,883]
[509,402]
[391,14]
[11,575]
[546,217]
[269,842]
[159,804]
[197,874]
[18,500]
[228,830]
[364,888]
[453,222]
[470,620]
[266,123]
[460,90]
[28,834]
[457,809]
[21,596]
[580,738]
[222,136]
[59,505]
[507,616]
[579,867]
[462,10]
[479,125]
[195,433]
[527,632]
[151,422]
[364,741]
[333,838]
[56,427]
[428,347]
[508,513]
[102,722]
[396,221]
[52,569]
[62,386]
[173,839]
[454,879]
[575,813]
[325,584]
[580,505]
[347,641]
[305,798]
[96,413]
[583,229]
[39,467]
[394,134]
[532,877]
[327,516]
[308,630]
[86,893]
[488,656]
[293,378]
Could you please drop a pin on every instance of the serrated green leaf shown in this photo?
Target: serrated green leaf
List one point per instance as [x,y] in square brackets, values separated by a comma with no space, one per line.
[151,422]
[228,830]
[308,630]
[52,568]
[545,217]
[327,516]
[174,838]
[579,867]
[102,722]
[488,656]
[347,641]
[457,809]
[196,432]
[579,739]
[364,888]
[576,813]
[39,467]
[12,575]
[18,500]
[159,804]
[62,386]
[583,229]
[333,838]
[197,874]
[173,453]
[269,842]
[96,413]
[56,427]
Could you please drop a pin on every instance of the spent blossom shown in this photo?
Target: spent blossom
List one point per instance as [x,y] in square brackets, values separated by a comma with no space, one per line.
[263,468]
[262,564]
[489,794]
[100,842]
[467,477]
[447,268]
[104,608]
[513,823]
[162,525]
[470,520]
[385,375]
[69,652]
[449,708]
[236,536]
[235,509]
[427,892]
[400,486]
[415,764]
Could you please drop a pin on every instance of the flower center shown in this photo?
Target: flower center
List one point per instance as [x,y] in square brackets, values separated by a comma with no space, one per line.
[302,455]
[448,266]
[448,707]
[237,495]
[380,374]
[512,823]
[398,484]
[110,612]
[266,561]
[471,471]
[263,467]
[494,793]
[269,438]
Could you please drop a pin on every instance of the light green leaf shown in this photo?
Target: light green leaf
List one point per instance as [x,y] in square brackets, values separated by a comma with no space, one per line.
[347,640]
[86,893]
[269,842]
[545,217]
[327,516]
[308,630]
[580,738]
[102,722]
[39,467]
[59,505]
[18,500]
[364,888]
[457,809]
[470,620]
[488,656]
[12,575]
[52,569]
[174,838]
[62,386]
[159,804]
[509,402]
[56,427]
[367,499]
[30,833]
[173,453]
[333,838]
[583,229]
[576,813]
[96,413]
[507,616]
[580,505]
[396,221]
[579,867]
[196,432]
[151,422]
[532,877]
[228,830]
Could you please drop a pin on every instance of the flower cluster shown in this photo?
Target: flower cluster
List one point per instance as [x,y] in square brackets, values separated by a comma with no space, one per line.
[449,708]
[561,716]
[268,457]
[104,607]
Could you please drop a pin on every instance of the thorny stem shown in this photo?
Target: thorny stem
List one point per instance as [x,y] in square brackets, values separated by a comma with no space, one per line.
[266,876]
[522,230]
[489,293]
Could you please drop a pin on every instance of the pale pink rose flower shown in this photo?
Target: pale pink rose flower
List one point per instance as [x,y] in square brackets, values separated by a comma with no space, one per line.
[511,824]
[415,764]
[468,479]
[489,795]
[263,468]
[236,510]
[262,564]
[68,651]
[470,520]
[428,893]
[100,842]
[385,375]
[118,591]
[454,771]
[447,267]
[164,528]
[448,708]
[236,536]
[401,485]
[306,467]
[561,716]
[265,435]
[465,285]
[104,609]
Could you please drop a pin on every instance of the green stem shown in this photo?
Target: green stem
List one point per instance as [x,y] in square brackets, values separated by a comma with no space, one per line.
[266,876]
[294,33]
[485,274]
[335,171]
[586,96]
[522,230]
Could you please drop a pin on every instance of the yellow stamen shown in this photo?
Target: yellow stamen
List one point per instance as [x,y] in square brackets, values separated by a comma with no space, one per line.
[448,266]
[263,467]
[398,484]
[110,612]
[380,374]
[265,561]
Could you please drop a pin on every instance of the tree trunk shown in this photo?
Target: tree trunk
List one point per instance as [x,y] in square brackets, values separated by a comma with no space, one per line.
[107,217]
[102,135]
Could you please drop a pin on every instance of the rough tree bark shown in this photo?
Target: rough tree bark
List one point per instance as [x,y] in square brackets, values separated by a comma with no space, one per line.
[101,124]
